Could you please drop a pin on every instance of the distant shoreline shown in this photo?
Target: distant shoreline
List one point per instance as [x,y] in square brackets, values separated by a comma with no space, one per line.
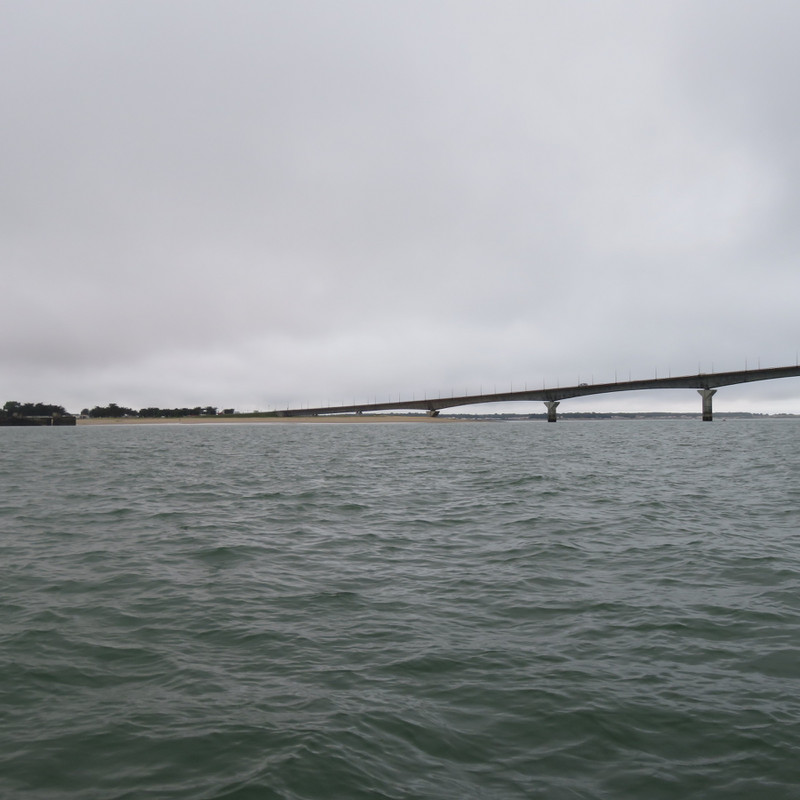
[367,419]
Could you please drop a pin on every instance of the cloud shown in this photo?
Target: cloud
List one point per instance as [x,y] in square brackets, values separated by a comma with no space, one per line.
[378,198]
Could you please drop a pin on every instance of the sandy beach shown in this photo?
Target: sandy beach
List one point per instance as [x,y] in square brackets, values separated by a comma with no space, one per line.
[325,419]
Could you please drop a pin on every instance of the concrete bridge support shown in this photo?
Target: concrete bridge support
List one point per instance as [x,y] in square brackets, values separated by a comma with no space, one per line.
[552,405]
[707,394]
[433,412]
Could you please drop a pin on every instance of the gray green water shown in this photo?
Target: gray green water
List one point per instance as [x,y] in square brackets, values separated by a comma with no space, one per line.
[580,610]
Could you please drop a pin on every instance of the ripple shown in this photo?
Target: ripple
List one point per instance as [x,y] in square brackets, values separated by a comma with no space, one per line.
[470,611]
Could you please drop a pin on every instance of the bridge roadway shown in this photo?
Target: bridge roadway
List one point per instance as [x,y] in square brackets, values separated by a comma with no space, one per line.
[706,384]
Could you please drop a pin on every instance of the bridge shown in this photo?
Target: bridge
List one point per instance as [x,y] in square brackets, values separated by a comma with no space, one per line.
[704,382]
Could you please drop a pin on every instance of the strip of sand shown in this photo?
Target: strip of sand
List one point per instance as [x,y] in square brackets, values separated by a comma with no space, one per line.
[324,419]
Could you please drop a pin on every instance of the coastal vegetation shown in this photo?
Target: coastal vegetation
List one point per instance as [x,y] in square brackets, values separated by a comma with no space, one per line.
[112,410]
[16,410]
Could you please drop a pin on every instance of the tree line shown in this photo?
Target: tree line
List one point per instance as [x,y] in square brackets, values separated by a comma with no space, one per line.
[113,410]
[14,408]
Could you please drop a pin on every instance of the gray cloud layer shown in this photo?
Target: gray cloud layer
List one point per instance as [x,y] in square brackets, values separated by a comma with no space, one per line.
[279,203]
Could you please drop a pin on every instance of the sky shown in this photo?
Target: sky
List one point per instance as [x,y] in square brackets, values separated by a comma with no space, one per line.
[276,204]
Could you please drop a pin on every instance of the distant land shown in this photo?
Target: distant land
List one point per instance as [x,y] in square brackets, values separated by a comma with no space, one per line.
[14,413]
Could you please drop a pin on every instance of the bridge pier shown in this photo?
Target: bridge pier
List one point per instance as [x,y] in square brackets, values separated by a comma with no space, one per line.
[552,405]
[433,412]
[707,394]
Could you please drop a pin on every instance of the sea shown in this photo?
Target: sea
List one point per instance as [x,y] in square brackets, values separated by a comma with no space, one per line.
[586,609]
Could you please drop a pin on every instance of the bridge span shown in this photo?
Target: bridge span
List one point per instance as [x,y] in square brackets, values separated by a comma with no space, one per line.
[706,383]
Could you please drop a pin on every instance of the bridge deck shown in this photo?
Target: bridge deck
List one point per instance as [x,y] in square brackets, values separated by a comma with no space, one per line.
[703,380]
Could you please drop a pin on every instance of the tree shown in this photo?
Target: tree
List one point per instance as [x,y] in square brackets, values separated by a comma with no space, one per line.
[14,408]
[112,410]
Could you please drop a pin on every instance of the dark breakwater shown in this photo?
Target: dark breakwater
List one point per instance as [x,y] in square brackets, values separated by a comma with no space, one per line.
[28,422]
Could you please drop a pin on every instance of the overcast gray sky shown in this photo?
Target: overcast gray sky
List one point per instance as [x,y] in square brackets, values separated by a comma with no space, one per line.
[262,204]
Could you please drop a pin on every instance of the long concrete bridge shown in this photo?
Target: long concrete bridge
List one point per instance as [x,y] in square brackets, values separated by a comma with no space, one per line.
[706,384]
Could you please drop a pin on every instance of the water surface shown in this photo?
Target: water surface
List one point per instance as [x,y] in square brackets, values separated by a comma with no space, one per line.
[598,609]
